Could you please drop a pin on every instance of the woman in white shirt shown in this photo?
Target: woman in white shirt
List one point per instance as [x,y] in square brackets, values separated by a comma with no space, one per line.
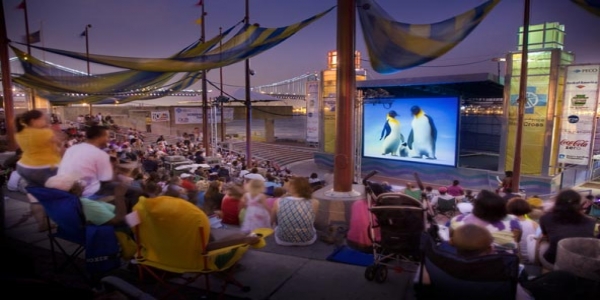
[520,208]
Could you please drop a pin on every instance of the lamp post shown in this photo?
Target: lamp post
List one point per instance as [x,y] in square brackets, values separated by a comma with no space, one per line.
[86,34]
[498,60]
[28,41]
[516,178]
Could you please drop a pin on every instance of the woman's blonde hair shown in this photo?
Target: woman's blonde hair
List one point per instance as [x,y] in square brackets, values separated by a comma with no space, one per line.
[256,186]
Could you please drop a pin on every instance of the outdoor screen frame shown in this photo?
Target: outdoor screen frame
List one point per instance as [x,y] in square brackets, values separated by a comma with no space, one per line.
[445,112]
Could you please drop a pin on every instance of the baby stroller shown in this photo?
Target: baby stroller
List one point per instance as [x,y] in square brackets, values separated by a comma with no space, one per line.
[400,220]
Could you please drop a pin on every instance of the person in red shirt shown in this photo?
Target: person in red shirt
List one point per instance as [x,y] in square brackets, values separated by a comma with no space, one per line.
[186,183]
[455,190]
[230,207]
[189,186]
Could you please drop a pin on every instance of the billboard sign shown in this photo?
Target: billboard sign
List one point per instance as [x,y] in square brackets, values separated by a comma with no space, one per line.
[193,115]
[578,114]
[312,111]
[160,116]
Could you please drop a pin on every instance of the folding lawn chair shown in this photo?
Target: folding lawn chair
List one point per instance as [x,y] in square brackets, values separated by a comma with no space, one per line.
[65,210]
[446,207]
[493,276]
[172,235]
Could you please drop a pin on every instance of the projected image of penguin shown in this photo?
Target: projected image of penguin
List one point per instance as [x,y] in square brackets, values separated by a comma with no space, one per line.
[391,135]
[423,135]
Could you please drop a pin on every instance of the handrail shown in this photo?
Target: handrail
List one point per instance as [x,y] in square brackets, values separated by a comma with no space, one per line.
[552,195]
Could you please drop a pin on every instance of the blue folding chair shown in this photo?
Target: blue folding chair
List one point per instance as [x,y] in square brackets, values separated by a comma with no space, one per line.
[65,210]
[493,276]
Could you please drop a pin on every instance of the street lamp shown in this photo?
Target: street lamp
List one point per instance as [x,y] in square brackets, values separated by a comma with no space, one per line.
[87,54]
[499,60]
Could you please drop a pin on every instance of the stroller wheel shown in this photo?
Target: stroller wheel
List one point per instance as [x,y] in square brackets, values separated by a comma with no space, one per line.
[381,274]
[370,272]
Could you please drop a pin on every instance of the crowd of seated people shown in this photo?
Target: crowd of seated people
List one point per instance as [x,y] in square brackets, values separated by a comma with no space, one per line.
[234,194]
[527,227]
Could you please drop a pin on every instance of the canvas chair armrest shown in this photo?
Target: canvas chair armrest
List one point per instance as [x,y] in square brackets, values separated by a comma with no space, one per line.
[219,251]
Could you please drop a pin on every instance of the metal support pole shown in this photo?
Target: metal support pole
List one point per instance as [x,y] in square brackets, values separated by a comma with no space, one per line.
[205,133]
[9,114]
[343,167]
[516,179]
[221,89]
[87,56]
[248,101]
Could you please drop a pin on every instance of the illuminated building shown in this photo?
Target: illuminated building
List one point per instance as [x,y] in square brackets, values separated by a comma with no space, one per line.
[328,95]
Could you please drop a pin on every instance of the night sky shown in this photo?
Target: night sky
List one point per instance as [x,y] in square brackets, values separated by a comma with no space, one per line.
[159,28]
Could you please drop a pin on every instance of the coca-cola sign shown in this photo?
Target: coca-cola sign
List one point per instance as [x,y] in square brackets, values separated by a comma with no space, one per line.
[575,143]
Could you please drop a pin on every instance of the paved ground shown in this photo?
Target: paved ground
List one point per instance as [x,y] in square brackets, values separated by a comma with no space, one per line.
[274,272]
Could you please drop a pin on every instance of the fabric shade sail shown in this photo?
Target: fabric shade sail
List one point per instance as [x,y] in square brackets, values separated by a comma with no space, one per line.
[394,46]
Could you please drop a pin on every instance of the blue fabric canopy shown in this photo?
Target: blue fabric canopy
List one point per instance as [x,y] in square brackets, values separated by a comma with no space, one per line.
[394,46]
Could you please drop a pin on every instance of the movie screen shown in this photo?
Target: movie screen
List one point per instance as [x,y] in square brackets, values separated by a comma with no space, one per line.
[420,130]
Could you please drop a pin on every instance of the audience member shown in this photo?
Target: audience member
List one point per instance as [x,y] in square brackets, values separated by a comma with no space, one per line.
[40,155]
[443,195]
[314,178]
[213,198]
[257,214]
[231,204]
[40,148]
[506,181]
[278,192]
[89,162]
[471,241]
[586,205]
[537,207]
[294,215]
[100,212]
[469,197]
[565,220]
[520,208]
[489,211]
[412,191]
[455,189]
[201,186]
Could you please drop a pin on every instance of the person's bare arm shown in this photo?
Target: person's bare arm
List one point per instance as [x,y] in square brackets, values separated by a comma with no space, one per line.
[517,233]
[274,212]
[120,207]
[263,202]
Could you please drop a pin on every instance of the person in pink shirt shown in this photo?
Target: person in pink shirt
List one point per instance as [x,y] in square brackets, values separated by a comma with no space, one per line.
[455,189]
[278,192]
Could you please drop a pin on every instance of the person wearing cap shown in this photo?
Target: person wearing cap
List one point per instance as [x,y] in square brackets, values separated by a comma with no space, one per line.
[537,207]
[443,195]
